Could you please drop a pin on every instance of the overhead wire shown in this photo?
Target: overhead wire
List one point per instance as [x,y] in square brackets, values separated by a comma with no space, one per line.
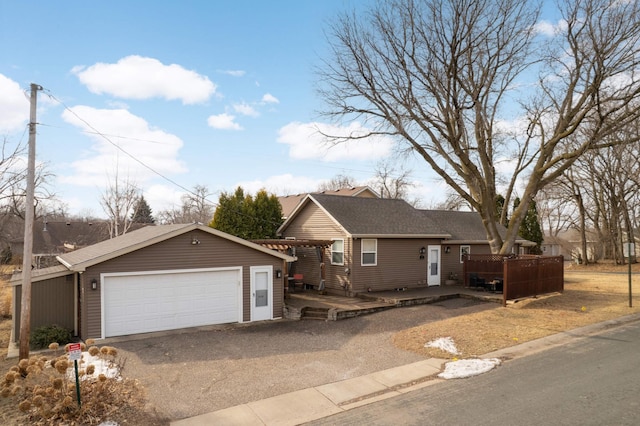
[151,169]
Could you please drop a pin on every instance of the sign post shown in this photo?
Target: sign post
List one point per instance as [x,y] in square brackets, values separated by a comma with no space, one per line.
[75,353]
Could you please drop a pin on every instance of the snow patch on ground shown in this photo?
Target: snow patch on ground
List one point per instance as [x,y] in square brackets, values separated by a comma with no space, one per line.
[101,366]
[459,369]
[444,343]
[468,367]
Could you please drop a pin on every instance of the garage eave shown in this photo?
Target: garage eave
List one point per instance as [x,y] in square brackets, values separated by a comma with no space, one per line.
[80,260]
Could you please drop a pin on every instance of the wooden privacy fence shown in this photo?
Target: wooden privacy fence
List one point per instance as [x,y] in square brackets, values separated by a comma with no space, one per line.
[521,275]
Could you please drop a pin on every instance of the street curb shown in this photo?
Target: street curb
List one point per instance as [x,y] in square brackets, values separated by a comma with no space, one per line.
[560,338]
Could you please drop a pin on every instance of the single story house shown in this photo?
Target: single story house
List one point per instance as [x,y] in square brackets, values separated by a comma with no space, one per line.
[555,246]
[382,244]
[157,278]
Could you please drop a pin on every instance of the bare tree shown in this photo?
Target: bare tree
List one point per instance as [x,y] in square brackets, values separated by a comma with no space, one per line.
[14,190]
[556,208]
[195,208]
[436,74]
[118,202]
[391,182]
[337,182]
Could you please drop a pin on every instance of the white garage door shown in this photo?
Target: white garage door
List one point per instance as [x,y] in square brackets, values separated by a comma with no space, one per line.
[149,302]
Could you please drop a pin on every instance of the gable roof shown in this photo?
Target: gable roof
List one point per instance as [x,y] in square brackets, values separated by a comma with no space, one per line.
[81,259]
[373,217]
[387,218]
[290,202]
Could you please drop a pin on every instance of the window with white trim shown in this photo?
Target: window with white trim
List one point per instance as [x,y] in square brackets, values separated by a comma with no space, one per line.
[337,252]
[369,252]
[464,250]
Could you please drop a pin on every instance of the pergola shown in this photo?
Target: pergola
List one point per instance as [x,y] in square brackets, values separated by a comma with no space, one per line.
[287,246]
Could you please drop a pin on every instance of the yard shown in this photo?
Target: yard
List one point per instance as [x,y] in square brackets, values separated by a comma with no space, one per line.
[592,294]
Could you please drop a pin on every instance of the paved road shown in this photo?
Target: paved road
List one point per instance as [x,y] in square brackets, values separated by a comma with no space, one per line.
[590,381]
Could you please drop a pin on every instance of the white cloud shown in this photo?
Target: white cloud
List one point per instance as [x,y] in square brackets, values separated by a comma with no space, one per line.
[162,197]
[245,109]
[550,29]
[285,184]
[153,147]
[137,77]
[14,106]
[234,73]
[306,141]
[268,98]
[223,121]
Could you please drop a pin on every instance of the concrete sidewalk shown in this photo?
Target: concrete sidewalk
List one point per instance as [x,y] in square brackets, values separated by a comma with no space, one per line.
[321,401]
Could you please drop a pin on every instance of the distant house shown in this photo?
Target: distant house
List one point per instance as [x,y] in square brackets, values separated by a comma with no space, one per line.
[573,241]
[55,237]
[289,202]
[555,246]
[382,244]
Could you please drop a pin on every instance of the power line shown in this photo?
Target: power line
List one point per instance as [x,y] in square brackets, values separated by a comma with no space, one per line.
[106,137]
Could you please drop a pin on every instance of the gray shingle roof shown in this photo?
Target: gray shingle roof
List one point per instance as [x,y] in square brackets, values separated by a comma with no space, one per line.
[462,225]
[378,217]
[131,241]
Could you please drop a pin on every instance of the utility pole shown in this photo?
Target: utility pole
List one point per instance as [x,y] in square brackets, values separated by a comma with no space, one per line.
[29,213]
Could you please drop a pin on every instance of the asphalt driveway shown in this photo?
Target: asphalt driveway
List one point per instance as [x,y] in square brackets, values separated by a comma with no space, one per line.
[197,371]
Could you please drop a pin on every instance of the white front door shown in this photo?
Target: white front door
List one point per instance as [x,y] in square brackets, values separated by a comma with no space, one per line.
[261,293]
[433,265]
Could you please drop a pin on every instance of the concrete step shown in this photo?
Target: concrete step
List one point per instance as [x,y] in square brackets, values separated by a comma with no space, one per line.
[314,313]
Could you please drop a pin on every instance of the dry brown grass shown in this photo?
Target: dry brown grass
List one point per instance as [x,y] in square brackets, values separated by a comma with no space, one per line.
[5,301]
[590,296]
[6,296]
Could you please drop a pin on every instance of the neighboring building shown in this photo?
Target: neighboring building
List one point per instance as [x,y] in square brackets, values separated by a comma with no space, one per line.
[595,247]
[52,238]
[555,246]
[382,244]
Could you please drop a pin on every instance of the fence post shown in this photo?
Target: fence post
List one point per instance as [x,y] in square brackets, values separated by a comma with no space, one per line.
[537,276]
[464,271]
[505,274]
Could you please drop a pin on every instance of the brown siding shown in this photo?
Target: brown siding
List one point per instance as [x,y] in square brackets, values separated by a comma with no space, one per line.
[451,261]
[51,304]
[398,265]
[313,224]
[179,253]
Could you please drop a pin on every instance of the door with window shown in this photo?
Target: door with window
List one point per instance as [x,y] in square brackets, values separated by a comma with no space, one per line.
[433,265]
[261,293]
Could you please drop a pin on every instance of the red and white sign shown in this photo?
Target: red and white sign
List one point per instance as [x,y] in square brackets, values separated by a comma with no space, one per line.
[75,351]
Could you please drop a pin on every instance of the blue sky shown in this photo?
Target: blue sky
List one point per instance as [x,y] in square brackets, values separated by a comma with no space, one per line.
[200,92]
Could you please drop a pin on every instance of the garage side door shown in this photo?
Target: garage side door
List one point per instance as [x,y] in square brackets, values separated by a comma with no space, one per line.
[143,303]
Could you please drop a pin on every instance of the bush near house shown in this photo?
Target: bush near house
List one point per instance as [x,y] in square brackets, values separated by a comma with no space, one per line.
[43,336]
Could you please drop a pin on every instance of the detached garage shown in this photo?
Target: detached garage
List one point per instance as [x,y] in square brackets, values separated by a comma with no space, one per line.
[159,278]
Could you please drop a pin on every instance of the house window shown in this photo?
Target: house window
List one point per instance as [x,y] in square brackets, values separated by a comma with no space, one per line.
[337,252]
[464,250]
[369,252]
